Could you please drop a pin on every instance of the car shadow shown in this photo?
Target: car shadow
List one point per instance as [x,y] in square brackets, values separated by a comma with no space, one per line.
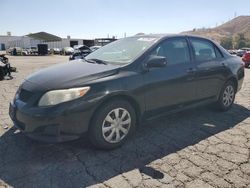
[27,163]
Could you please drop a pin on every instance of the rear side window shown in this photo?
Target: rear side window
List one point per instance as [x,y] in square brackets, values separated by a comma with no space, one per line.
[203,50]
[175,50]
[218,53]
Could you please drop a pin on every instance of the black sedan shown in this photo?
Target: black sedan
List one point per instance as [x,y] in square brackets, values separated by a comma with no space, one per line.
[126,82]
[80,52]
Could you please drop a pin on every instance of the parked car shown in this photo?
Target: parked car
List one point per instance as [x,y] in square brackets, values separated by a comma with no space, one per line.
[33,50]
[55,51]
[126,82]
[79,47]
[245,49]
[5,67]
[82,48]
[233,52]
[94,48]
[25,52]
[9,51]
[67,51]
[246,59]
[14,51]
[80,52]
[242,51]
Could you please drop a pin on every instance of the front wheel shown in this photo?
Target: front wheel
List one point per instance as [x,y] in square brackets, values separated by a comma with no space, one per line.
[112,125]
[2,73]
[227,96]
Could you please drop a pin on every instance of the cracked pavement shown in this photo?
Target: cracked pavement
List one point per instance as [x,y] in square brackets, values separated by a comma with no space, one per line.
[195,148]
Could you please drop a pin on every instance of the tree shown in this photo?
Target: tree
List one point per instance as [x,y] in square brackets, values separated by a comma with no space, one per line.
[227,42]
[248,43]
[241,41]
[241,44]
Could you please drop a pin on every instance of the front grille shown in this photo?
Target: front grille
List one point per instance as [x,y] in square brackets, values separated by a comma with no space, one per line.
[25,95]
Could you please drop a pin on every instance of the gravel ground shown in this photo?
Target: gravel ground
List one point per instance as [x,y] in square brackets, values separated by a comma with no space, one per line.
[194,148]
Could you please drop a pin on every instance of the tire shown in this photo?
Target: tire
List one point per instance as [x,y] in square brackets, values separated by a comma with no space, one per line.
[106,127]
[227,96]
[1,73]
[13,69]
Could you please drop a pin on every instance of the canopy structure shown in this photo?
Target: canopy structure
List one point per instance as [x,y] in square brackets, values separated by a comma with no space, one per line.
[45,37]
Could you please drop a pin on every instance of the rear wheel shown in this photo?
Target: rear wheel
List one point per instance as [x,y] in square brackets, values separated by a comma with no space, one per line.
[112,125]
[227,96]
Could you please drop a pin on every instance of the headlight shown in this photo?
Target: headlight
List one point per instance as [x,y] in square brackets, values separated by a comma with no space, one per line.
[60,96]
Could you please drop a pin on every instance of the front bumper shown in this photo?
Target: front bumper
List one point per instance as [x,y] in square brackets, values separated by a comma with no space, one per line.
[53,124]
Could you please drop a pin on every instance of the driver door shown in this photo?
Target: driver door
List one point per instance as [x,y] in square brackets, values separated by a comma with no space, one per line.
[171,86]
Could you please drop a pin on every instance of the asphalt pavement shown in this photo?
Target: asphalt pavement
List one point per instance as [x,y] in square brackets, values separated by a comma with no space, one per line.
[195,148]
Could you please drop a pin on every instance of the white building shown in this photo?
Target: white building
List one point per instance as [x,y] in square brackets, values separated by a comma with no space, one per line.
[32,40]
[7,41]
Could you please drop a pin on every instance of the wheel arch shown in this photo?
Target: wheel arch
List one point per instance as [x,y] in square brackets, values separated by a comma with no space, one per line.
[232,79]
[120,96]
[235,81]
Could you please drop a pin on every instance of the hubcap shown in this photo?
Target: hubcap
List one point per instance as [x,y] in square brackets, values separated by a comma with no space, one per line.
[228,96]
[116,125]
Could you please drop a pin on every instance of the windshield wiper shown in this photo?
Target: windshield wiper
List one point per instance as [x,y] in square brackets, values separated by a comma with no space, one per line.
[98,61]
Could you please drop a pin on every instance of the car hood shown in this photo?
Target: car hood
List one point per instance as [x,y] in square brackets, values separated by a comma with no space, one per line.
[70,74]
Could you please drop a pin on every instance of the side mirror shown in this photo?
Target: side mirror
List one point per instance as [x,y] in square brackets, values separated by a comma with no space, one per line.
[156,61]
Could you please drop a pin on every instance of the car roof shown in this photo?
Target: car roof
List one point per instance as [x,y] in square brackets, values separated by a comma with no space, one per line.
[162,36]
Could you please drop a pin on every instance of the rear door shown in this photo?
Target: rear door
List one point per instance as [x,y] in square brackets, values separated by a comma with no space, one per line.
[171,86]
[210,68]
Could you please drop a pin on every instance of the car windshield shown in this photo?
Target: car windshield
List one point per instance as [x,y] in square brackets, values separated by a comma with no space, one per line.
[122,51]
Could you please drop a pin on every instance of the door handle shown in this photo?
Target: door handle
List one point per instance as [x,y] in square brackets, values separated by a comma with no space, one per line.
[191,70]
[224,64]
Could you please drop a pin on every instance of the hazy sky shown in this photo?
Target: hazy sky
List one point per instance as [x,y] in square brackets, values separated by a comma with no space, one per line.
[98,18]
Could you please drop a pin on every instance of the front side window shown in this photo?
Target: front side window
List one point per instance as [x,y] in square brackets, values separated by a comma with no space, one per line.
[175,50]
[203,50]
